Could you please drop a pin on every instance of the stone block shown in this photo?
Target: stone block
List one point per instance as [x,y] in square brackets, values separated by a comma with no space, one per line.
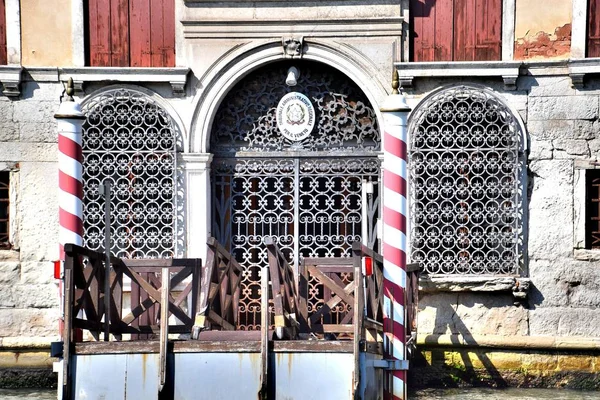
[42,91]
[544,321]
[7,296]
[551,209]
[565,321]
[8,132]
[584,129]
[544,86]
[35,111]
[567,362]
[9,272]
[539,362]
[6,112]
[38,296]
[37,272]
[33,132]
[563,108]
[540,150]
[29,322]
[563,148]
[10,151]
[550,130]
[38,207]
[40,152]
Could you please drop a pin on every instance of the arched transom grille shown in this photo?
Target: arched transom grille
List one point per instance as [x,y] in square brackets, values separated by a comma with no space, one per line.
[129,140]
[466,184]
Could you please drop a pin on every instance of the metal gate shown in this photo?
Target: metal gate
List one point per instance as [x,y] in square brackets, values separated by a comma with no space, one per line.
[314,196]
[310,207]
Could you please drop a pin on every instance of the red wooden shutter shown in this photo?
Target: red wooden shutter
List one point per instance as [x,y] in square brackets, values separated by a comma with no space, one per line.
[109,40]
[456,30]
[477,30]
[152,33]
[139,20]
[593,39]
[3,56]
[432,29]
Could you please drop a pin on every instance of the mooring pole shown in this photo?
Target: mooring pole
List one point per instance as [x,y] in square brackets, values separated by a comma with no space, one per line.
[70,214]
[395,215]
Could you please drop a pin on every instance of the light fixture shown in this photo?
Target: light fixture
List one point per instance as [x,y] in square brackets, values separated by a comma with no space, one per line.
[292,76]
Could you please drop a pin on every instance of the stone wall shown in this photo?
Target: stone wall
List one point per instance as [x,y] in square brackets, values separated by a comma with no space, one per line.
[28,290]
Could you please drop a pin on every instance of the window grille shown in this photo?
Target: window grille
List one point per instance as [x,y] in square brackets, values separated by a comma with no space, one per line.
[592,209]
[4,209]
[129,140]
[466,184]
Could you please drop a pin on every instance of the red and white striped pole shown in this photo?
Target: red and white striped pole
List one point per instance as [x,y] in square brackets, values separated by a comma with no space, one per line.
[69,120]
[395,214]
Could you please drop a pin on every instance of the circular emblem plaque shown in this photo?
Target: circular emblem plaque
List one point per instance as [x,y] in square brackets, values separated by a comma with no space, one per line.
[295,116]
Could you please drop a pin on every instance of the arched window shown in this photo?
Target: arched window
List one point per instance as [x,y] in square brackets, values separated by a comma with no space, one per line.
[466,171]
[129,140]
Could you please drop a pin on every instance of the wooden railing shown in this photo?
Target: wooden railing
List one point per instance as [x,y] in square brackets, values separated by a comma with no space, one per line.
[288,321]
[85,294]
[220,291]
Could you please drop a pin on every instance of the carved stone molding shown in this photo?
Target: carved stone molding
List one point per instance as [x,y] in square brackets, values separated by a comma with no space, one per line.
[176,77]
[578,69]
[10,76]
[484,283]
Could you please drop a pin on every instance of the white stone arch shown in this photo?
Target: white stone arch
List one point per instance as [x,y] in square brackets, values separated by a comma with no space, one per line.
[238,63]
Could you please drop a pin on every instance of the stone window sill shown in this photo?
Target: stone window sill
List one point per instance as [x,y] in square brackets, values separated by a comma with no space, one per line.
[10,76]
[176,77]
[586,255]
[475,283]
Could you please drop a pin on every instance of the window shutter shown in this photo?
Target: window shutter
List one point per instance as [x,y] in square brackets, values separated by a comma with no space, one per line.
[3,56]
[432,29]
[108,27]
[488,30]
[593,40]
[119,23]
[139,18]
[163,35]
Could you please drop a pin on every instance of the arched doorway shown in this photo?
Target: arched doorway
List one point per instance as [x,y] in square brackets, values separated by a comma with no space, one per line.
[313,195]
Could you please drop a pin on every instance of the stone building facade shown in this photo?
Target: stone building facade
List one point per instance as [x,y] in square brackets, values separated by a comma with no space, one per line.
[525,312]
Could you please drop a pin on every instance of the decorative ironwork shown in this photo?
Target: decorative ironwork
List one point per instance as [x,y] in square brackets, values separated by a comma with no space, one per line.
[309,207]
[246,120]
[130,140]
[4,207]
[466,178]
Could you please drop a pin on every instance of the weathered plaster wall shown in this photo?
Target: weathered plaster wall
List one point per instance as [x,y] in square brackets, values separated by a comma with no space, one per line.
[543,31]
[46,33]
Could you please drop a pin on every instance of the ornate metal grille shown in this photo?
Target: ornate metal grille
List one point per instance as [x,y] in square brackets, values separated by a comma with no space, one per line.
[246,119]
[466,178]
[129,140]
[4,207]
[310,207]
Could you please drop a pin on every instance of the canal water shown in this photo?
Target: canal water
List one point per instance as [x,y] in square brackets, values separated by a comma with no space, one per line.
[427,394]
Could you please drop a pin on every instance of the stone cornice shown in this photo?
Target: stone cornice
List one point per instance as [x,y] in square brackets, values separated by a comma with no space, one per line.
[508,71]
[176,77]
